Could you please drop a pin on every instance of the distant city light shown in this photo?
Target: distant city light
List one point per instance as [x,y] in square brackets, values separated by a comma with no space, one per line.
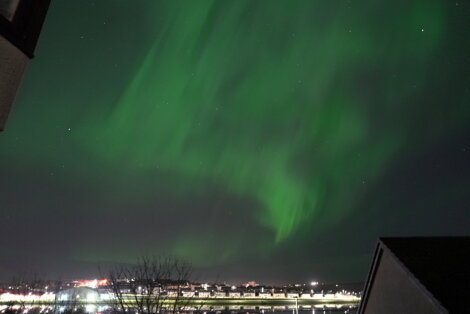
[91,283]
[101,295]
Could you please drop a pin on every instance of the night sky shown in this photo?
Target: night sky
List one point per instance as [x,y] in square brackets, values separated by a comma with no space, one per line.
[262,140]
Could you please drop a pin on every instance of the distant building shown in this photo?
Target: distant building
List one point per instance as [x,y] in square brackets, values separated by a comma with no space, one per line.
[20,25]
[329,296]
[234,294]
[318,296]
[220,294]
[419,275]
[78,294]
[249,294]
[292,295]
[279,295]
[204,294]
[264,294]
[188,293]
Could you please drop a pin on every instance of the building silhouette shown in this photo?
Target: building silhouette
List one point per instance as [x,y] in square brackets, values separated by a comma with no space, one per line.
[20,25]
[419,275]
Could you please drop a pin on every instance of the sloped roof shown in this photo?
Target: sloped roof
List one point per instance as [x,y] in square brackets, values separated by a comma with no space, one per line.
[440,264]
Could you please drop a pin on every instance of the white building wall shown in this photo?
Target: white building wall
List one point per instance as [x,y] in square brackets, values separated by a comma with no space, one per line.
[12,65]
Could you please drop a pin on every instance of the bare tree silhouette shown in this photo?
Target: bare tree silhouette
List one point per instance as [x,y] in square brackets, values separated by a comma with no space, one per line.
[152,285]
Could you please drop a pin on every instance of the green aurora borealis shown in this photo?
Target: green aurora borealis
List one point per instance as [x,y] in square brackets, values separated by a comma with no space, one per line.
[234,133]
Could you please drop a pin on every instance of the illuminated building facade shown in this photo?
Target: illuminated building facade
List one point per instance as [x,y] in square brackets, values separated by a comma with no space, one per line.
[78,294]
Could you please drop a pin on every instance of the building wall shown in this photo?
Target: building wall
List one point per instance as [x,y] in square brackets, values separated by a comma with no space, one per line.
[204,294]
[78,294]
[13,63]
[393,291]
[8,8]
[220,294]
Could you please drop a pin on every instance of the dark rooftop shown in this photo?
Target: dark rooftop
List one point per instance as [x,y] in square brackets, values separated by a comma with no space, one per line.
[440,264]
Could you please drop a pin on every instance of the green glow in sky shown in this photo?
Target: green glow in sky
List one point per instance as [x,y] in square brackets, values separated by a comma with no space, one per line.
[286,118]
[265,100]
